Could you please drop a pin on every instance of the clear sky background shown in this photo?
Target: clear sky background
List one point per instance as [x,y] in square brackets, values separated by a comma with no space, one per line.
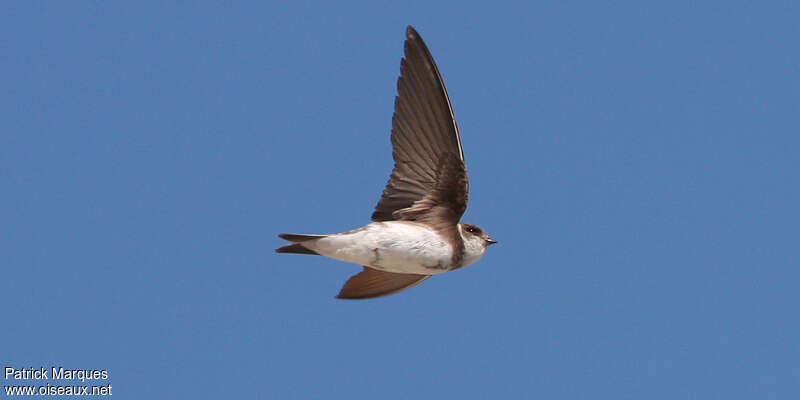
[638,164]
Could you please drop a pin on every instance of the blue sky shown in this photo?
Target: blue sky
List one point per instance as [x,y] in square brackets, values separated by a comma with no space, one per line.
[638,164]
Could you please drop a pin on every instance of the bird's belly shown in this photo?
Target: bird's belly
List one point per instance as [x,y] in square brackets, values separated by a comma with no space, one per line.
[392,247]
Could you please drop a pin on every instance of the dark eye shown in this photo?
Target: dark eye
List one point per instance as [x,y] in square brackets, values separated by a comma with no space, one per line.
[473,229]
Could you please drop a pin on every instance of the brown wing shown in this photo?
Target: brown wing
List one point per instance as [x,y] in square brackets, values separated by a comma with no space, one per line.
[429,180]
[371,283]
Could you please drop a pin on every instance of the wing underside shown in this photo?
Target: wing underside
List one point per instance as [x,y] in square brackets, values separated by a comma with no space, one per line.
[371,283]
[425,138]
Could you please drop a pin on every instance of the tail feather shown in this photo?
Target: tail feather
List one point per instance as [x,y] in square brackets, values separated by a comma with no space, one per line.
[299,238]
[297,247]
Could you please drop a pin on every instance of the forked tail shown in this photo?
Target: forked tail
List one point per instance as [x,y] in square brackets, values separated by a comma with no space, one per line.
[297,247]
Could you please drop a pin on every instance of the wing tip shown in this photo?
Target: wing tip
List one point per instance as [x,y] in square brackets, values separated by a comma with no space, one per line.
[411,32]
[344,297]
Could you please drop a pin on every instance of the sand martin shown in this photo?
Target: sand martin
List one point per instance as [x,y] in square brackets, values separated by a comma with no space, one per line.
[415,231]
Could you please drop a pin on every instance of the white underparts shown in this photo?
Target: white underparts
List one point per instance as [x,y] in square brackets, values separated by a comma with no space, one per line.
[392,246]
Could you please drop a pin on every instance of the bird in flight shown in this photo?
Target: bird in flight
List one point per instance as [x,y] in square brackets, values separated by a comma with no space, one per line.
[415,232]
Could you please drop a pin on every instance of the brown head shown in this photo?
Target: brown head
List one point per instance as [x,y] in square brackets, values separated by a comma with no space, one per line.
[470,231]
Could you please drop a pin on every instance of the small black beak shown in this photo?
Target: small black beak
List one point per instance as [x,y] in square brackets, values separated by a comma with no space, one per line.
[490,241]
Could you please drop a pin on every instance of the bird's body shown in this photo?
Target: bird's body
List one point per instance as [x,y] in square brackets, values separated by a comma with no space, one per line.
[403,247]
[416,231]
[392,246]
